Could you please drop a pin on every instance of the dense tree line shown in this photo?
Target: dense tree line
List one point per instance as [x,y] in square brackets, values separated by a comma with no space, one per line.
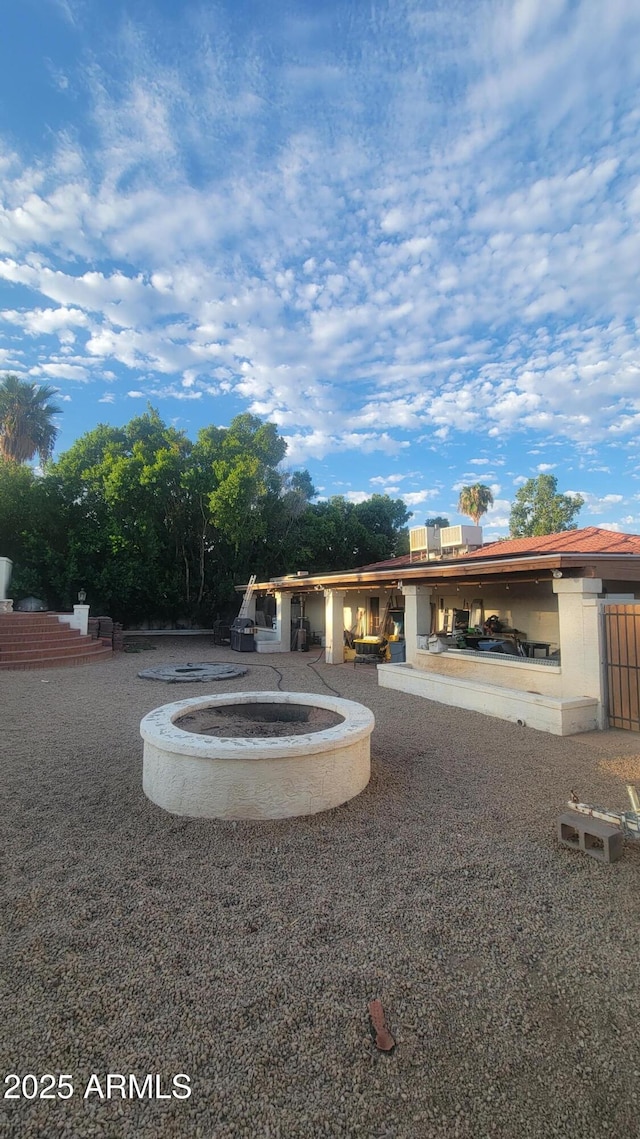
[157,527]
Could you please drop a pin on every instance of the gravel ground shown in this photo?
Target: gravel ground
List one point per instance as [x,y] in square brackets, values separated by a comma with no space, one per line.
[245,954]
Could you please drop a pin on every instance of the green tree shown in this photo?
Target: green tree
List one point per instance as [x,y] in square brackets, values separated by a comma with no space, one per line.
[158,527]
[284,511]
[475,500]
[26,420]
[438,521]
[338,534]
[32,532]
[124,505]
[539,509]
[243,503]
[382,518]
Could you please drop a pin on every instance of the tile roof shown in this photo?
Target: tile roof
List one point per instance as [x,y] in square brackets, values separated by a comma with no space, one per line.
[589,540]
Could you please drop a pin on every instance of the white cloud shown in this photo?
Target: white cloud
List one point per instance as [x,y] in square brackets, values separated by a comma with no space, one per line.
[386,480]
[414,498]
[370,252]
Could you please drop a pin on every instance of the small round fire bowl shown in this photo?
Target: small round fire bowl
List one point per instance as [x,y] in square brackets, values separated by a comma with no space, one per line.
[189,770]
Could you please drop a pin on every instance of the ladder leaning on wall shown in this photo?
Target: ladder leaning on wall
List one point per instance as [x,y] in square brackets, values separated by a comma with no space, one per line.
[248,594]
[386,616]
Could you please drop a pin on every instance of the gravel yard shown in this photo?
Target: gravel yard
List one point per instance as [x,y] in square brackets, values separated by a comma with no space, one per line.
[245,954]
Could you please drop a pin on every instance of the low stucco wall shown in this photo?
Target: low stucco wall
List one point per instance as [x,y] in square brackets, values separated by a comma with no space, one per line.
[268,641]
[494,668]
[561,717]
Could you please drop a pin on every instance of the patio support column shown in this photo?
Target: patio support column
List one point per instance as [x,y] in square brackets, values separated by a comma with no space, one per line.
[579,636]
[417,616]
[334,625]
[283,619]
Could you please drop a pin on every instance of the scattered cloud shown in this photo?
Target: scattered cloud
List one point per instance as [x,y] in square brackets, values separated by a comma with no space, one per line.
[414,498]
[387,260]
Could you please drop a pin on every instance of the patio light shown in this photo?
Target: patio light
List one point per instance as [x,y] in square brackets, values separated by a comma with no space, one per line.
[82,596]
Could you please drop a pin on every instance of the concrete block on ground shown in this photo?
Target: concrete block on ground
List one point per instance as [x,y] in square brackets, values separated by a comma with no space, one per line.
[598,839]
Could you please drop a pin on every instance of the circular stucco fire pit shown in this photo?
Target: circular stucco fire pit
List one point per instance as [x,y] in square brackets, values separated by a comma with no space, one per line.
[287,764]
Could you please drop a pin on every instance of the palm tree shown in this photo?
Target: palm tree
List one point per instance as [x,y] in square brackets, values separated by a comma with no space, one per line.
[475,500]
[26,426]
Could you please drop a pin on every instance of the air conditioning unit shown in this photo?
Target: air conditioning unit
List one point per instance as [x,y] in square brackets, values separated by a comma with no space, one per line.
[460,539]
[424,543]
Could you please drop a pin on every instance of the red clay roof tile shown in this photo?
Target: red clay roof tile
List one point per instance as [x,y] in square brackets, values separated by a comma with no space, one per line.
[589,540]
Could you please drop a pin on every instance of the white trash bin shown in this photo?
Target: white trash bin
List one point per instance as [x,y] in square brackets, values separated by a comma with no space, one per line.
[436,645]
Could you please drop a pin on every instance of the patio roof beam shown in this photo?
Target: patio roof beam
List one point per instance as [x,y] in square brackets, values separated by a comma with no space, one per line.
[623,568]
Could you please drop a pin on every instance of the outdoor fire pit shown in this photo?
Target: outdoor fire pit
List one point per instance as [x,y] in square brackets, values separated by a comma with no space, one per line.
[256,755]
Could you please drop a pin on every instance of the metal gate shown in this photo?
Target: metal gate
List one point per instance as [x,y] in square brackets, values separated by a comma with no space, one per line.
[622,641]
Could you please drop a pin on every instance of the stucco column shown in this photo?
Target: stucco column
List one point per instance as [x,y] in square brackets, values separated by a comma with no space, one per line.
[417,616]
[6,604]
[81,615]
[283,619]
[334,625]
[579,635]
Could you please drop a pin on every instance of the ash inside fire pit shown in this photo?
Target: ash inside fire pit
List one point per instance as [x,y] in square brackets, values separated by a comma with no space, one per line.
[259,720]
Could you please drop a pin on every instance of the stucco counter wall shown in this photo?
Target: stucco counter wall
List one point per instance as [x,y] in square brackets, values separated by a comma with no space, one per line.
[511,672]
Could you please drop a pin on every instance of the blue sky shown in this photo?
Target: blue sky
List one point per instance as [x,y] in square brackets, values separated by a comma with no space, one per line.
[405,232]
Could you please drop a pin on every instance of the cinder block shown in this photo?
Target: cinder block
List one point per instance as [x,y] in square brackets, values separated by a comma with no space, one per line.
[598,839]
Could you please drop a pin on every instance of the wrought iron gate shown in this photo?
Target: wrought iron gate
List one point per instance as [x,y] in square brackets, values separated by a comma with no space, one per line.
[622,641]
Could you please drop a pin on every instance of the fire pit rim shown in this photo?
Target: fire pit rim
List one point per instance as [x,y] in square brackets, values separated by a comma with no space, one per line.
[158,727]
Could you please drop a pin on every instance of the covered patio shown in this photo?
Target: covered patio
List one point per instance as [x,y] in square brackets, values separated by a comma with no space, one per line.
[545,667]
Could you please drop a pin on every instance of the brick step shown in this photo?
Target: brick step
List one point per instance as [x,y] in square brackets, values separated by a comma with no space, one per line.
[103,652]
[52,635]
[16,622]
[25,619]
[61,649]
[40,640]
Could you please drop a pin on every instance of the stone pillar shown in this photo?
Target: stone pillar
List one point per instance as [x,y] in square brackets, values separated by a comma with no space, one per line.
[283,620]
[334,625]
[417,616]
[6,603]
[578,620]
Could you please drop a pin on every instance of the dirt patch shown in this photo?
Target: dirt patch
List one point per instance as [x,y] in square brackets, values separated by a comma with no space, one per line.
[259,720]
